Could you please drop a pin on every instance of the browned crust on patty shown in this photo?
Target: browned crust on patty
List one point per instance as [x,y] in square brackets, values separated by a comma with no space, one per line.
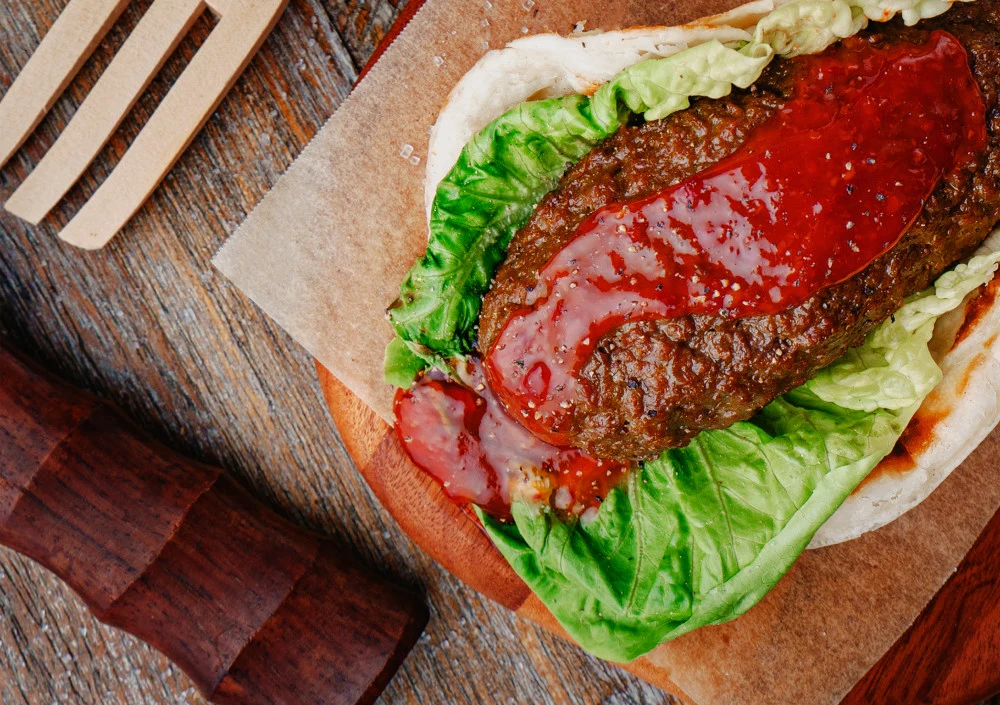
[653,385]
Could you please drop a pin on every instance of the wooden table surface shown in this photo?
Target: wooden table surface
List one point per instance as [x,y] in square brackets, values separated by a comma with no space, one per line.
[149,323]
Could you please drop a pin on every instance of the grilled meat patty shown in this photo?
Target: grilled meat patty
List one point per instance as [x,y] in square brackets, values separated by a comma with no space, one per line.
[654,385]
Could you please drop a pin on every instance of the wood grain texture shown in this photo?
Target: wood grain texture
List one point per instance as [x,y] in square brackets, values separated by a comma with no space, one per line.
[193,97]
[254,609]
[950,653]
[148,323]
[109,101]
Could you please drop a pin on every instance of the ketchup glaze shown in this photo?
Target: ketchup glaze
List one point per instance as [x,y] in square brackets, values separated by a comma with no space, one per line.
[815,194]
[458,433]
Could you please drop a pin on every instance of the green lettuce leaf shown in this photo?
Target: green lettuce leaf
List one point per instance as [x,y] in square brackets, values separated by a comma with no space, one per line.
[499,178]
[894,368]
[506,169]
[701,534]
[404,362]
[656,89]
[401,365]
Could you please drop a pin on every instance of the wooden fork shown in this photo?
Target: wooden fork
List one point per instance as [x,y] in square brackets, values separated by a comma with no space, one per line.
[243,26]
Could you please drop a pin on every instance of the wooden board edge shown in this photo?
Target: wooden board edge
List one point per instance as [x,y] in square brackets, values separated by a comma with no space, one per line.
[533,610]
[416,502]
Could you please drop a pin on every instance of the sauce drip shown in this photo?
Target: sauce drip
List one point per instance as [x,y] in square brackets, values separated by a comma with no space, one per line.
[815,194]
[461,436]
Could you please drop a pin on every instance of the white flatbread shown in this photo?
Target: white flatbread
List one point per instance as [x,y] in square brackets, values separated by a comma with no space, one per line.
[954,418]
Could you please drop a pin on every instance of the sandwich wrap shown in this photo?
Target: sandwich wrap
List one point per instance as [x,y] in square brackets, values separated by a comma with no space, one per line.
[700,534]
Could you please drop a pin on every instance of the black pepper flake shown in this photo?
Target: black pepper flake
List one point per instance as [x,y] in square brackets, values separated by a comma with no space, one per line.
[651,413]
[519,363]
[880,196]
[850,188]
[659,287]
[633,384]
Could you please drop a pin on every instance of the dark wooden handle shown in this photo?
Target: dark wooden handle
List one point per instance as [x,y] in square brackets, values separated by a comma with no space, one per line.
[253,608]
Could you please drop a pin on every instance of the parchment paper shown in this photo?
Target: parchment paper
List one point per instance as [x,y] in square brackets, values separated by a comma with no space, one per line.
[325,251]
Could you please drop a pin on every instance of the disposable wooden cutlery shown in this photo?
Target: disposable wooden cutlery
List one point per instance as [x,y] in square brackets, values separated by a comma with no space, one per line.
[242,27]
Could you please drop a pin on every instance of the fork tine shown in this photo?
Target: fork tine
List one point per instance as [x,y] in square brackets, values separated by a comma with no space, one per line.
[180,115]
[148,47]
[71,39]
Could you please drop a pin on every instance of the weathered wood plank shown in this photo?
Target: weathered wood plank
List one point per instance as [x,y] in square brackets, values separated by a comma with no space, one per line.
[149,323]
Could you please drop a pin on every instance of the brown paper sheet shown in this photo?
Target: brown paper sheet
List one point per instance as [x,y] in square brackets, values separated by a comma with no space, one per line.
[325,251]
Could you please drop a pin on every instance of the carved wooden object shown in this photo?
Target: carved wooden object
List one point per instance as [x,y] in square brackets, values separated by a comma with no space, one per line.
[254,609]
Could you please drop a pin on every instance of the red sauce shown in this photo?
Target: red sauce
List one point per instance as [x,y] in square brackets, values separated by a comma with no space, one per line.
[815,194]
[461,436]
